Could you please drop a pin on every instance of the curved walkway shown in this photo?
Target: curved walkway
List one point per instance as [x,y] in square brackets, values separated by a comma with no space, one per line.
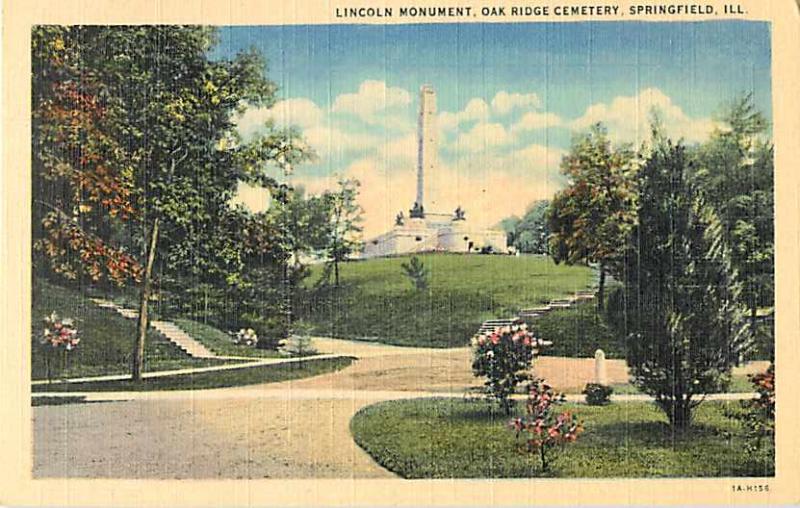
[296,429]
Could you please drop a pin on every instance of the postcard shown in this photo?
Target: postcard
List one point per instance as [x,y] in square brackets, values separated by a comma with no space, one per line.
[408,253]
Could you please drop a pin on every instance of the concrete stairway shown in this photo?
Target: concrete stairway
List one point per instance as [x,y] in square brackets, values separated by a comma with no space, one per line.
[182,339]
[530,314]
[170,330]
[491,325]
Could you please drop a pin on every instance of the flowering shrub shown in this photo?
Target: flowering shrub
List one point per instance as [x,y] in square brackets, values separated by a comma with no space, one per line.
[597,394]
[58,338]
[245,337]
[543,428]
[759,413]
[504,358]
[59,333]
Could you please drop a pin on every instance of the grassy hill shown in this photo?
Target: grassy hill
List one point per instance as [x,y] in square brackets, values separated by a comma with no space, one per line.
[377,301]
[106,337]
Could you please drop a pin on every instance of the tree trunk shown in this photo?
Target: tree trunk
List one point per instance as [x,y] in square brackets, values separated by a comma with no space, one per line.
[543,456]
[138,349]
[680,414]
[601,288]
[336,272]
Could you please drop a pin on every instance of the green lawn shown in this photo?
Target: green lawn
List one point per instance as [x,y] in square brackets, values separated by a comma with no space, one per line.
[451,438]
[106,338]
[215,379]
[220,342]
[377,301]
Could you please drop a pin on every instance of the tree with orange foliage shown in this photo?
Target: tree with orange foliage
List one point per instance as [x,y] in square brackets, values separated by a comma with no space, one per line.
[136,154]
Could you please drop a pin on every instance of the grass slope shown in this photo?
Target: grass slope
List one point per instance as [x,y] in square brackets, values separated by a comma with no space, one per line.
[377,301]
[219,342]
[216,379]
[578,332]
[450,438]
[106,338]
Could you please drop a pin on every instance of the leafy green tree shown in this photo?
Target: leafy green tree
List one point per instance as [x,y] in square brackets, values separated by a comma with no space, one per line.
[591,219]
[169,114]
[532,232]
[344,229]
[509,226]
[735,169]
[685,329]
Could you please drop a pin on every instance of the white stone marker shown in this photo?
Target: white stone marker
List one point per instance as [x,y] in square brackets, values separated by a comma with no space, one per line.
[600,367]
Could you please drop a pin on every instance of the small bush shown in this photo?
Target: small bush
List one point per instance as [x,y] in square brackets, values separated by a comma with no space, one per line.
[270,330]
[299,342]
[415,270]
[245,337]
[757,415]
[597,394]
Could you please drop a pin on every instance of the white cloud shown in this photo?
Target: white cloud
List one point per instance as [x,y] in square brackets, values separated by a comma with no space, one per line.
[373,97]
[504,103]
[328,141]
[475,110]
[487,186]
[483,136]
[400,152]
[628,117]
[536,156]
[299,112]
[534,120]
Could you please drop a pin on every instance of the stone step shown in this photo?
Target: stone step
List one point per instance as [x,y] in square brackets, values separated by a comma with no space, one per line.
[171,331]
[128,313]
[182,339]
[542,309]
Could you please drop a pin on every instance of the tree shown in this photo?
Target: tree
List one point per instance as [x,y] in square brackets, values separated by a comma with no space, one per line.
[83,185]
[168,133]
[684,326]
[415,270]
[735,169]
[590,220]
[344,225]
[532,232]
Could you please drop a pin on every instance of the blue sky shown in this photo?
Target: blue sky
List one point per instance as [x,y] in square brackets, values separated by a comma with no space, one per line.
[510,96]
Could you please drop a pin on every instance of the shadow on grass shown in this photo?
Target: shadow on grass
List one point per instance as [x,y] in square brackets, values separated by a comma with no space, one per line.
[651,434]
[63,401]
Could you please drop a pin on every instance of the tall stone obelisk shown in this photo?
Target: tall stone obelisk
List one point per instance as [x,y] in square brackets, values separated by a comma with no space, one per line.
[427,141]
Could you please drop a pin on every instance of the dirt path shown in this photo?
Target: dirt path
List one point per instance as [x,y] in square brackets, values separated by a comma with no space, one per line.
[217,438]
[384,367]
[297,429]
